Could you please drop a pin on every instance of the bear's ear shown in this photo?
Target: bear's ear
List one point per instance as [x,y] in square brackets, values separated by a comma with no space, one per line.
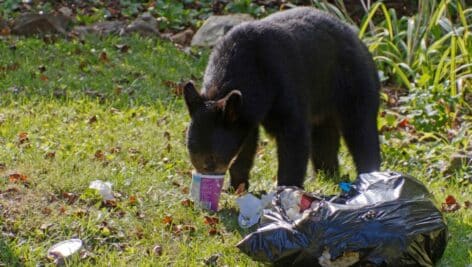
[231,105]
[193,100]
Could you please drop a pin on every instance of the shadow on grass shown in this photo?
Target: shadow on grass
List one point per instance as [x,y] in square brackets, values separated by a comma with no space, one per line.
[7,256]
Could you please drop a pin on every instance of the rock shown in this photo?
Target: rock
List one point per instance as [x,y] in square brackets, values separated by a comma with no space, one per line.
[65,11]
[30,24]
[100,28]
[145,25]
[183,38]
[216,27]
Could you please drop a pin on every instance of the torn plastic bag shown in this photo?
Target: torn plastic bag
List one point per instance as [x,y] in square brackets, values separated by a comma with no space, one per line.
[385,219]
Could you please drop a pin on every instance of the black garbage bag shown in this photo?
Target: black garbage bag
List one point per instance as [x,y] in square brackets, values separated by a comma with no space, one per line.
[385,219]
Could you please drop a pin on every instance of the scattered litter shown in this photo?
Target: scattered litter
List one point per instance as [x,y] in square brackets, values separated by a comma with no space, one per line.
[104,188]
[251,208]
[65,248]
[385,219]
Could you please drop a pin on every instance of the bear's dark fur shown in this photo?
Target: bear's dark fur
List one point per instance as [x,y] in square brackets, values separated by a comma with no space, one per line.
[301,74]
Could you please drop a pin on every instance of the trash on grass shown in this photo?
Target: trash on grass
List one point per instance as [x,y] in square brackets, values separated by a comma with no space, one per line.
[251,207]
[104,188]
[65,248]
[385,219]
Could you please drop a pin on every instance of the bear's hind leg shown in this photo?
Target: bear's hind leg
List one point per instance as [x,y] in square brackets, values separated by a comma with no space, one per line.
[325,139]
[361,136]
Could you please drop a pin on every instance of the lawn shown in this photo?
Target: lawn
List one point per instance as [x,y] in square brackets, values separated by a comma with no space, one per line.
[111,109]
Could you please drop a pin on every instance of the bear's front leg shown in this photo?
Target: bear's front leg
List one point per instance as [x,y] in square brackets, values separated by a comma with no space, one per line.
[293,146]
[239,170]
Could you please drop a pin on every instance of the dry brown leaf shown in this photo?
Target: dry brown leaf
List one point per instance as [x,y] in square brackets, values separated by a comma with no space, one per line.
[450,204]
[92,119]
[23,137]
[46,211]
[110,203]
[70,197]
[104,57]
[186,202]
[211,220]
[132,200]
[167,220]
[99,155]
[213,231]
[115,150]
[157,250]
[50,155]
[17,177]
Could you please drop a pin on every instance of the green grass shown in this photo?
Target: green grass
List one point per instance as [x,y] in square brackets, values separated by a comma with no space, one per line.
[73,102]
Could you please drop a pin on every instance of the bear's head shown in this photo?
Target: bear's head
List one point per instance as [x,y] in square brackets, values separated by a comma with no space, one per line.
[215,134]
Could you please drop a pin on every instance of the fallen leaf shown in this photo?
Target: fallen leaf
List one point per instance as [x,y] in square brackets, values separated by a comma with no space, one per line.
[104,57]
[450,204]
[92,119]
[133,151]
[403,123]
[213,231]
[50,155]
[62,209]
[46,211]
[167,220]
[80,212]
[186,202]
[17,177]
[43,77]
[23,137]
[70,197]
[185,190]
[157,250]
[115,150]
[99,155]
[188,228]
[132,200]
[450,200]
[110,203]
[211,220]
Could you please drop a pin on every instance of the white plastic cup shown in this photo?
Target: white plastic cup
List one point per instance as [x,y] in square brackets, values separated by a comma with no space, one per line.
[206,189]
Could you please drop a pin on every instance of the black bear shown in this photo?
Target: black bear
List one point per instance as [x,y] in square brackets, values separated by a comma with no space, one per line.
[306,78]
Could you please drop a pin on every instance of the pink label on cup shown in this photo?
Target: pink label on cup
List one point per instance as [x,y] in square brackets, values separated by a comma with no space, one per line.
[210,190]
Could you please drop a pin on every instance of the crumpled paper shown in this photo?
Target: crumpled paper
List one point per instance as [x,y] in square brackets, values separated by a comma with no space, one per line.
[251,208]
[104,188]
